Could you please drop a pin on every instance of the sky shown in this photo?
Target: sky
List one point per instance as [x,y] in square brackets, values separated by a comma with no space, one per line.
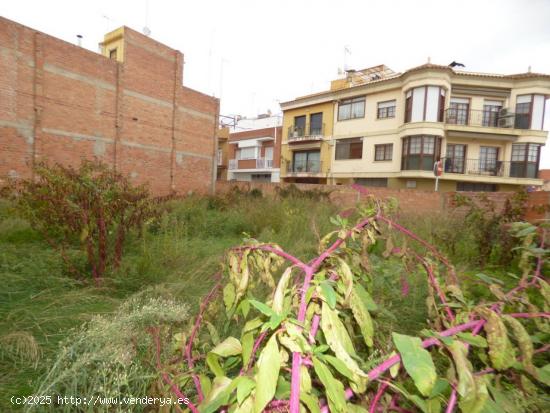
[255,54]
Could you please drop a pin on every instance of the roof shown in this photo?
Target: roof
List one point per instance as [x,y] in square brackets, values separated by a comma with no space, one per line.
[426,66]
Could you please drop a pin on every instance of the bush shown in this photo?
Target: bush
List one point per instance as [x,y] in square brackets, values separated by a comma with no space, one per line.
[92,206]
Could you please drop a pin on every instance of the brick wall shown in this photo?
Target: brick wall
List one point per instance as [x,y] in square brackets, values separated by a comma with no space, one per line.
[410,201]
[60,102]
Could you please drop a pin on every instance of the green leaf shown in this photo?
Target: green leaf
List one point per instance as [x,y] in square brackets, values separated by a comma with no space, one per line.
[275,321]
[503,402]
[477,341]
[206,385]
[311,401]
[213,333]
[501,352]
[244,388]
[362,317]
[328,294]
[395,368]
[229,296]
[247,341]
[339,341]
[334,388]
[218,395]
[524,343]
[466,385]
[262,308]
[544,374]
[365,297]
[279,296]
[338,365]
[229,347]
[268,364]
[213,363]
[346,278]
[487,279]
[417,362]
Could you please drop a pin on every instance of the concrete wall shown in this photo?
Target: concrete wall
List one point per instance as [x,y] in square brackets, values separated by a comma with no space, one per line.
[62,103]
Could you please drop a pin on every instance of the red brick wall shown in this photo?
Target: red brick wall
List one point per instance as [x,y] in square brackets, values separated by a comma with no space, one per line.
[410,201]
[62,103]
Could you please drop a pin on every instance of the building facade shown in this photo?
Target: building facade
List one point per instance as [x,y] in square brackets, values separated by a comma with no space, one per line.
[254,150]
[126,107]
[389,129]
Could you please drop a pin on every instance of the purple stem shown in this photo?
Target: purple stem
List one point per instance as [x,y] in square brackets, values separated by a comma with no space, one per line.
[377,397]
[314,328]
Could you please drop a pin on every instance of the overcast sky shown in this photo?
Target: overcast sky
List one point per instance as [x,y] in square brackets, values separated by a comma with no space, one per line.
[254,54]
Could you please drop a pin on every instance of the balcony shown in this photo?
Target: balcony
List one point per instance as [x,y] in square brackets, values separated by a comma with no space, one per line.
[259,163]
[487,118]
[263,163]
[486,167]
[306,133]
[311,166]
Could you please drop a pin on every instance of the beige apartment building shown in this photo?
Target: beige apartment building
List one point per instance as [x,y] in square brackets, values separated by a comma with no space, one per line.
[389,129]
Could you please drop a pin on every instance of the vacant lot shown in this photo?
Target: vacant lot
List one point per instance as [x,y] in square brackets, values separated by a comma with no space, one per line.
[43,308]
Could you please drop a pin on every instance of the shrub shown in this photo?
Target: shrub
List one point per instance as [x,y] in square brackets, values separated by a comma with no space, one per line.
[311,339]
[92,206]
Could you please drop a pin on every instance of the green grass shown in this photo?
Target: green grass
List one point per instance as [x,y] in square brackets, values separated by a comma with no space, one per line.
[41,305]
[42,308]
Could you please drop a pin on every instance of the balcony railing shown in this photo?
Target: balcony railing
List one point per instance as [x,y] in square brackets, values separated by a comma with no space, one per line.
[306,133]
[488,118]
[304,167]
[233,164]
[487,167]
[263,163]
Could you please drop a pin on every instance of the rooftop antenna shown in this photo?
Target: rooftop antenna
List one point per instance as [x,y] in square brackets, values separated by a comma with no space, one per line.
[108,22]
[146,29]
[79,40]
[347,52]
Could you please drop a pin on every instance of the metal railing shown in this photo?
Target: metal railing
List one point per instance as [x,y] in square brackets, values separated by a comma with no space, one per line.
[233,164]
[304,167]
[262,163]
[487,118]
[490,167]
[307,132]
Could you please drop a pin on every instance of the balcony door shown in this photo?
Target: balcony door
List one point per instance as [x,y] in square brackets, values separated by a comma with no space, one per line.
[455,159]
[488,160]
[523,111]
[458,112]
[491,109]
[306,161]
[299,126]
[316,124]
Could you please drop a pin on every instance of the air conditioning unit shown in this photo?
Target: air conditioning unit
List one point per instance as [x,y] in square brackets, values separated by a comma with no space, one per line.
[503,112]
[506,122]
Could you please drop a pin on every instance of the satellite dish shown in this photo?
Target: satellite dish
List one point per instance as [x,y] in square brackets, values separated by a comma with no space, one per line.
[146,31]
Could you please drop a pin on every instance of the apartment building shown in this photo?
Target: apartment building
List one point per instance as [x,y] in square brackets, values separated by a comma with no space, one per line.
[254,149]
[389,129]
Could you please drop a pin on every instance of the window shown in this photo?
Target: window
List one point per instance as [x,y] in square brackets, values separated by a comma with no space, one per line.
[458,112]
[112,54]
[316,124]
[383,152]
[455,158]
[349,148]
[299,125]
[523,112]
[491,110]
[306,161]
[247,153]
[351,108]
[424,104]
[372,182]
[386,109]
[488,160]
[420,152]
[220,157]
[475,187]
[525,160]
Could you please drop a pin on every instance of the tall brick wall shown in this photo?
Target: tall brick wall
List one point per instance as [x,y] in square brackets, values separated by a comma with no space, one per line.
[62,103]
[410,201]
